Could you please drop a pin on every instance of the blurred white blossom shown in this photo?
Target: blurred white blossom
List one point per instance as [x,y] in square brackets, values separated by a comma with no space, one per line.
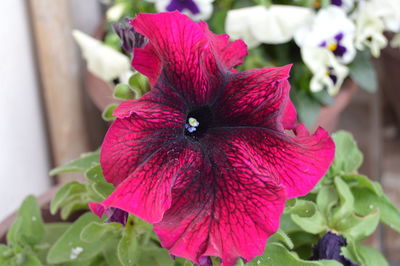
[115,12]
[346,5]
[332,30]
[388,11]
[328,73]
[273,25]
[369,30]
[196,9]
[103,61]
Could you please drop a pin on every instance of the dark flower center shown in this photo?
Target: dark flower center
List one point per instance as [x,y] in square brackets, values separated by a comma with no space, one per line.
[198,121]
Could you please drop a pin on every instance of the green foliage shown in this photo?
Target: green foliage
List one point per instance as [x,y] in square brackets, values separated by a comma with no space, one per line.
[344,202]
[107,114]
[363,72]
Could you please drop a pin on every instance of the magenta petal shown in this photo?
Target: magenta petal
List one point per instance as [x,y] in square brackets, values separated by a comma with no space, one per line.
[257,97]
[132,140]
[146,193]
[227,207]
[230,54]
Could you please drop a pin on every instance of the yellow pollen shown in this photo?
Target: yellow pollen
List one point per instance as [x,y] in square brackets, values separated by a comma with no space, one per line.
[332,46]
[193,122]
[317,4]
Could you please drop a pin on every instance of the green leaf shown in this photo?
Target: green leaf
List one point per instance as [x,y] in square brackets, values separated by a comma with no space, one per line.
[368,202]
[327,198]
[348,157]
[307,108]
[346,200]
[95,231]
[82,164]
[139,84]
[64,193]
[31,260]
[361,181]
[371,257]
[28,226]
[95,174]
[276,254]
[123,92]
[69,247]
[128,245]
[110,251]
[73,205]
[358,228]
[102,189]
[281,237]
[307,216]
[363,72]
[107,114]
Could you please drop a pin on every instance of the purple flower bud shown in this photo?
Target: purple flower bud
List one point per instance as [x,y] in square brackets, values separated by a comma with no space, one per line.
[129,37]
[328,248]
[204,261]
[117,216]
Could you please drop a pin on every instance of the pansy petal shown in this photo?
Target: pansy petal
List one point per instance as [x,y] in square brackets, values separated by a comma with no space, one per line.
[144,127]
[225,207]
[230,53]
[257,97]
[186,60]
[146,193]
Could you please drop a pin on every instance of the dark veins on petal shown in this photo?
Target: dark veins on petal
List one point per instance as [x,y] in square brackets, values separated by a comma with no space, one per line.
[181,5]
[328,248]
[129,37]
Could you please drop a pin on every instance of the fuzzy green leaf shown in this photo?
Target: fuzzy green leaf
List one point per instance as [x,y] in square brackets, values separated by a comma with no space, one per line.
[69,247]
[281,237]
[362,71]
[65,193]
[346,201]
[82,164]
[358,228]
[348,157]
[28,227]
[123,92]
[96,231]
[95,174]
[327,198]
[368,202]
[107,114]
[307,216]
[276,254]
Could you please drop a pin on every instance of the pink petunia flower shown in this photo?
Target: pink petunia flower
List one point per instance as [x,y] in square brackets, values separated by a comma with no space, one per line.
[206,155]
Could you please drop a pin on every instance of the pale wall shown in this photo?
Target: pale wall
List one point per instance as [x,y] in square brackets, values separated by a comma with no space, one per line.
[24,157]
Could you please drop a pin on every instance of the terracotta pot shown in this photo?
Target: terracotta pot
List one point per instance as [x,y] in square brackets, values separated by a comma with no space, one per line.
[329,116]
[44,203]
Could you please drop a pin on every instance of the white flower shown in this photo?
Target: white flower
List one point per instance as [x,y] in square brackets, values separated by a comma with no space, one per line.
[196,9]
[115,12]
[327,72]
[332,30]
[369,30]
[395,43]
[388,11]
[346,5]
[102,60]
[272,25]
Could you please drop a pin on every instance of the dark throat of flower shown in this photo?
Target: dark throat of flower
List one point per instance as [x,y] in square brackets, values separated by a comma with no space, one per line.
[198,121]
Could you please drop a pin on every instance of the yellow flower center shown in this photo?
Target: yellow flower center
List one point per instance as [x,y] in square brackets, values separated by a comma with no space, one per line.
[193,122]
[332,47]
[317,4]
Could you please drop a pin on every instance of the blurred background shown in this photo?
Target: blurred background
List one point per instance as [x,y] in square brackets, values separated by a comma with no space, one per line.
[51,113]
